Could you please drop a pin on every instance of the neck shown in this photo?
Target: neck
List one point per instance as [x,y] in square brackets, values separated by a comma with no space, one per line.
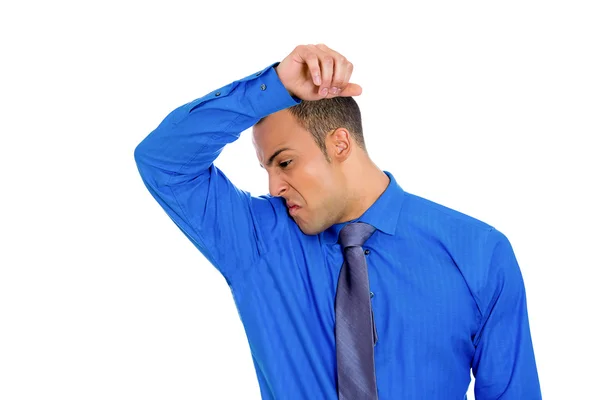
[367,184]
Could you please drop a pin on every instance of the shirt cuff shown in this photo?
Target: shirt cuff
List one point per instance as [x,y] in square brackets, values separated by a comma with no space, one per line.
[270,94]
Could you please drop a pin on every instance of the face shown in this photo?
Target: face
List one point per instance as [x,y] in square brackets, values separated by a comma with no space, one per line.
[299,172]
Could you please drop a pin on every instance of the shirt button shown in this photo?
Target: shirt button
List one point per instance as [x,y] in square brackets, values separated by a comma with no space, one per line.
[372,294]
[218,94]
[263,87]
[367,251]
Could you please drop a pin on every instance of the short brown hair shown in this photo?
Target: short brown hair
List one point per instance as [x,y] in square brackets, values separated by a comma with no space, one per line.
[322,116]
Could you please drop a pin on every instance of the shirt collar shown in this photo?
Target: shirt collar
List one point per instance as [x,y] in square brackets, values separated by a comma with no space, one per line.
[383,213]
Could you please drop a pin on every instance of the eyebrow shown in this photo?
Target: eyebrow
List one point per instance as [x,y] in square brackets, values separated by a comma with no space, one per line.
[277,152]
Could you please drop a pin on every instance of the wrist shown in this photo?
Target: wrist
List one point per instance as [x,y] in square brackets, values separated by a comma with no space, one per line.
[283,83]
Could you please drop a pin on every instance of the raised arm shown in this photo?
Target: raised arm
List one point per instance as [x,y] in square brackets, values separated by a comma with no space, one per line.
[175,162]
[504,364]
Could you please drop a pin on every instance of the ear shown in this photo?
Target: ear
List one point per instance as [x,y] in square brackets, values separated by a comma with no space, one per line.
[341,144]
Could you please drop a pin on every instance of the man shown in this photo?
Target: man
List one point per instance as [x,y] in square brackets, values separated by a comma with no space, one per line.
[348,287]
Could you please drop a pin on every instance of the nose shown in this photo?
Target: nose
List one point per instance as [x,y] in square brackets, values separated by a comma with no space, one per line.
[277,186]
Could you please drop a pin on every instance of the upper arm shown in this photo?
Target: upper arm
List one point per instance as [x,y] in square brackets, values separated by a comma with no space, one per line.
[504,364]
[221,220]
[176,163]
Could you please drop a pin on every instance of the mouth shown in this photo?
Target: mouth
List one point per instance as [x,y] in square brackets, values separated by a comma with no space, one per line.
[293,210]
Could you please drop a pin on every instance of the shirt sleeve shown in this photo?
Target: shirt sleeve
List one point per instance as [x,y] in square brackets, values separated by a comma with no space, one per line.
[176,164]
[504,364]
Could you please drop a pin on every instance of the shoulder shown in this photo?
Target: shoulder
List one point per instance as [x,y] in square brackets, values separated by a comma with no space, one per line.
[473,246]
[423,213]
[452,226]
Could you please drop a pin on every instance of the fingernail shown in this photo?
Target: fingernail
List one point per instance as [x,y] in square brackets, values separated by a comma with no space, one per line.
[324,92]
[334,90]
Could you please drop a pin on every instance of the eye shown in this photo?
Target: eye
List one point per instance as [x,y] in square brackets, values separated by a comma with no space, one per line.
[285,163]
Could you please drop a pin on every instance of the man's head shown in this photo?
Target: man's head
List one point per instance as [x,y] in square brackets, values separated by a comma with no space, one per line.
[322,138]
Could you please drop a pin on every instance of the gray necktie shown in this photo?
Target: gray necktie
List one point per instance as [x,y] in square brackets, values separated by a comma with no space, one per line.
[354,325]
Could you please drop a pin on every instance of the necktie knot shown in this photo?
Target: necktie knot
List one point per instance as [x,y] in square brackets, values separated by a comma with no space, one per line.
[355,234]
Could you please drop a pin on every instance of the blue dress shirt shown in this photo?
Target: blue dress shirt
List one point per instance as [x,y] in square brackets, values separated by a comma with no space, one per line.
[447,292]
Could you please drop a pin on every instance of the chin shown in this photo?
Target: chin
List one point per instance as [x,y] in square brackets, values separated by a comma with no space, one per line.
[310,230]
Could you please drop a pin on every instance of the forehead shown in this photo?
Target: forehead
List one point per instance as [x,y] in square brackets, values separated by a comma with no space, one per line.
[277,130]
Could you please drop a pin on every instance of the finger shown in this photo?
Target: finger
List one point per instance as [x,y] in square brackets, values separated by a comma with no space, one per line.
[351,89]
[327,62]
[347,88]
[327,65]
[340,75]
[311,59]
[349,70]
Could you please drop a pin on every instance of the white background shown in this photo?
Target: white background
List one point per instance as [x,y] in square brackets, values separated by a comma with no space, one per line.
[490,108]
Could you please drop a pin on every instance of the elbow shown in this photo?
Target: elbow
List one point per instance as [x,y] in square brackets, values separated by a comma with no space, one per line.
[141,157]
[150,165]
[139,154]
